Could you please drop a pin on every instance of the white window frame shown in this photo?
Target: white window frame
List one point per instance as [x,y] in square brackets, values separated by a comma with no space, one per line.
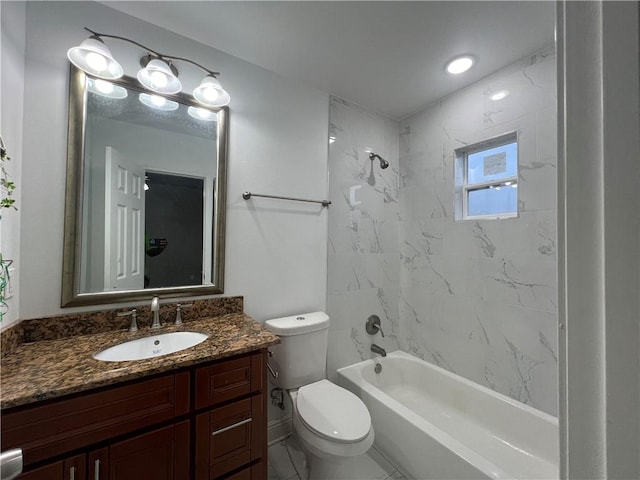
[462,186]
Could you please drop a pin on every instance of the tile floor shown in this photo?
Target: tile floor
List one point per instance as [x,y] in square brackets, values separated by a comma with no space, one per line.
[286,456]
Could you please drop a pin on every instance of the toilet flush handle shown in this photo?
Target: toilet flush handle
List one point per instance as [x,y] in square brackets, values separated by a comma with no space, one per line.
[273,373]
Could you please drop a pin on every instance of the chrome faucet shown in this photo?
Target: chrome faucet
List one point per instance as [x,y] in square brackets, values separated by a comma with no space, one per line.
[379,350]
[133,326]
[155,310]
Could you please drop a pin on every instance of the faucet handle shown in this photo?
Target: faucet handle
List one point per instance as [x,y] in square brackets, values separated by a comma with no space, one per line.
[133,326]
[179,308]
[373,325]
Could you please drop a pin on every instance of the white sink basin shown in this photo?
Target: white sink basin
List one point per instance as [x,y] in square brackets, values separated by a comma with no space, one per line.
[149,347]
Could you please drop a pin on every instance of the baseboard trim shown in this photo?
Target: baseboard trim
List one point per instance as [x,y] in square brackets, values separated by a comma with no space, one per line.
[278,430]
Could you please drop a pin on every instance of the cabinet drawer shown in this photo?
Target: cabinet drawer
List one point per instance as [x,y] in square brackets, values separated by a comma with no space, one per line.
[64,425]
[229,379]
[229,437]
[254,472]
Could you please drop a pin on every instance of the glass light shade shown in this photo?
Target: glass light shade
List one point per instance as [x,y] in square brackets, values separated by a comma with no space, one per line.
[211,93]
[202,114]
[158,102]
[106,88]
[93,57]
[158,77]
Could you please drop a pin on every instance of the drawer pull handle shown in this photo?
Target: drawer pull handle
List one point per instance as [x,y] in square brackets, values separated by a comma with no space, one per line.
[96,473]
[72,473]
[230,427]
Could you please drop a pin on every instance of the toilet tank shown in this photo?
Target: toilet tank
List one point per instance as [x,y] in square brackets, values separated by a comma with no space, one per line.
[301,357]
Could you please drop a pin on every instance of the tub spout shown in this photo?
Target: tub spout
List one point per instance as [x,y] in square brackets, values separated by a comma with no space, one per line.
[379,350]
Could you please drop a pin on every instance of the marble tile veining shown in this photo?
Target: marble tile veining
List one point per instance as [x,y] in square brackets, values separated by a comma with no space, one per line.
[476,297]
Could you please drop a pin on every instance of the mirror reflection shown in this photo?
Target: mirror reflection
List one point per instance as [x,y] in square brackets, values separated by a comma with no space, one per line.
[150,213]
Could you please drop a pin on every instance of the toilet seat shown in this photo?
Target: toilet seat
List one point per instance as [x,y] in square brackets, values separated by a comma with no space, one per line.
[332,412]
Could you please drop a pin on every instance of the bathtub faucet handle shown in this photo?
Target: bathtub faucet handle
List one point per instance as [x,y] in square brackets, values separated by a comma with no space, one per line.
[373,325]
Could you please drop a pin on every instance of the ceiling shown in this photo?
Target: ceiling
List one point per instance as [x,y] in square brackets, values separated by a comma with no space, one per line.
[387,56]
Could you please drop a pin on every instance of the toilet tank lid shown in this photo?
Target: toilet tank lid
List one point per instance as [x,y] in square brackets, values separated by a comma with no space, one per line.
[298,324]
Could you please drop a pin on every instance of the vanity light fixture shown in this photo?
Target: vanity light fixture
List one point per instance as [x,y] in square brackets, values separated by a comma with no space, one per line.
[93,56]
[460,64]
[158,102]
[202,114]
[211,93]
[107,89]
[158,72]
[157,76]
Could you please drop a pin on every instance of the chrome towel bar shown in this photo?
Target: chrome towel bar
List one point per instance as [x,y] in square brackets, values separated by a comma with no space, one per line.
[248,195]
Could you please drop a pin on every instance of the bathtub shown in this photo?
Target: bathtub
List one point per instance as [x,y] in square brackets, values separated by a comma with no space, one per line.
[437,425]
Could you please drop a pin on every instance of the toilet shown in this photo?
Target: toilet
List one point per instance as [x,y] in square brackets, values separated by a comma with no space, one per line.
[332,424]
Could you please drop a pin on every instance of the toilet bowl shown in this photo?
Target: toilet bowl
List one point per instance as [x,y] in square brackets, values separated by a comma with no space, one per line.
[333,426]
[331,421]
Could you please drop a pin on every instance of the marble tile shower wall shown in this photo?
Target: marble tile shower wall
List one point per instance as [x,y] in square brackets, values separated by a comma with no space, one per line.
[364,223]
[475,297]
[479,297]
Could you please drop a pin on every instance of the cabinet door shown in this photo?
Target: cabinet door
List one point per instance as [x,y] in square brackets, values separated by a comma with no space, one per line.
[53,471]
[72,468]
[162,454]
[255,472]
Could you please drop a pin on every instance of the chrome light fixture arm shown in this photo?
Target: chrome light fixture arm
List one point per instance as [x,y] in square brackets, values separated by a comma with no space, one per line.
[150,50]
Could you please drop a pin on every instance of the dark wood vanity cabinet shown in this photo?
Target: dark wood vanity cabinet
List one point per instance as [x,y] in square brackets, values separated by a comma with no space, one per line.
[206,422]
[72,468]
[230,430]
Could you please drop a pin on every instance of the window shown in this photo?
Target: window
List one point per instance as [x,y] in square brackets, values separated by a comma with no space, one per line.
[487,179]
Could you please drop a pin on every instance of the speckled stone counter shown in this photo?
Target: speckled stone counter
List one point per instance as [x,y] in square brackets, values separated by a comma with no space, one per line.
[53,368]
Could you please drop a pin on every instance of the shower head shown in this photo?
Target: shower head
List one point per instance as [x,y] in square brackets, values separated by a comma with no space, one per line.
[383,163]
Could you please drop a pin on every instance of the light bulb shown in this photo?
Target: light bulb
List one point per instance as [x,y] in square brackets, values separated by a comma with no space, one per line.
[158,100]
[202,113]
[210,94]
[96,61]
[104,86]
[158,79]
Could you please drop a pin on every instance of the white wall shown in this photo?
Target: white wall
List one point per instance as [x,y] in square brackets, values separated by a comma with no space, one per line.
[275,253]
[11,105]
[599,205]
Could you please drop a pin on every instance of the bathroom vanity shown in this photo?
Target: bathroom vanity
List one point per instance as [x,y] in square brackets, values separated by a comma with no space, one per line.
[195,414]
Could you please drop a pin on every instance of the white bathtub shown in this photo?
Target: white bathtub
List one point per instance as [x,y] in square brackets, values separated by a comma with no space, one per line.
[437,425]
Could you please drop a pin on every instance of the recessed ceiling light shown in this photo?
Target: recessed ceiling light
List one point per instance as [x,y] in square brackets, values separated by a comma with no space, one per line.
[499,95]
[460,64]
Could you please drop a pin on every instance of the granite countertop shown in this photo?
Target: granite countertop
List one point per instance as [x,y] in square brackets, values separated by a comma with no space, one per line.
[53,368]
